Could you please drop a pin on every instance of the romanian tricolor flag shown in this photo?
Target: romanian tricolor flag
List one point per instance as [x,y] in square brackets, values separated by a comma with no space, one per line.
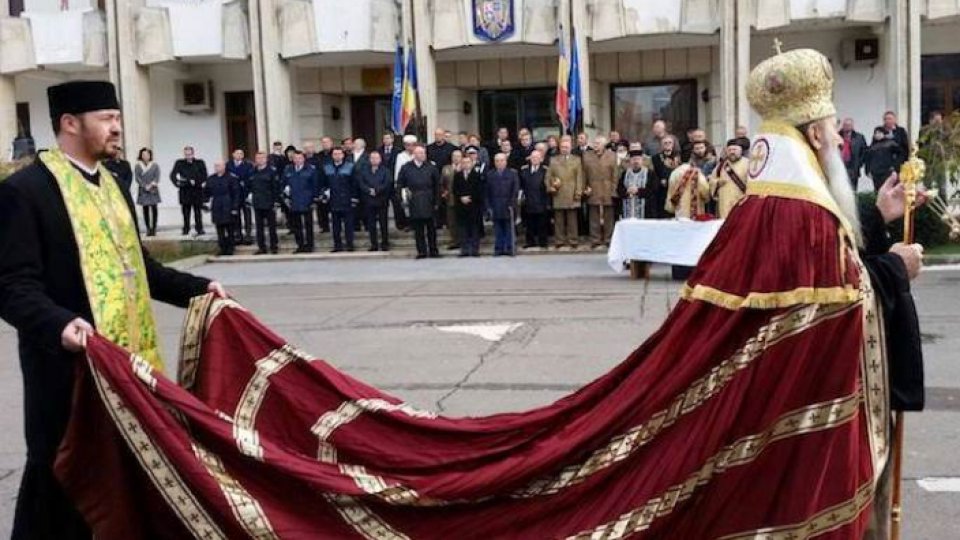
[409,91]
[563,75]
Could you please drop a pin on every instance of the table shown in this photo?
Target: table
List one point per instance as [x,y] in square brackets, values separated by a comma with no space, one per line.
[669,241]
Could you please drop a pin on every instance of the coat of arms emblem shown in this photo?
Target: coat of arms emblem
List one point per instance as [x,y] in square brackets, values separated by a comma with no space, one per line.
[493,19]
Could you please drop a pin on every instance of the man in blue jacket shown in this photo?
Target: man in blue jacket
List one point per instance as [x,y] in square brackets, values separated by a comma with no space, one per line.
[242,169]
[503,187]
[302,187]
[340,189]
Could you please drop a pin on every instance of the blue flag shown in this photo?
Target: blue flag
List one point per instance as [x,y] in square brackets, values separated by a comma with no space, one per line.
[396,117]
[573,86]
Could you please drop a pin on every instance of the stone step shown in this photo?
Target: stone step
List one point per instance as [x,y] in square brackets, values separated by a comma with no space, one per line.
[247,256]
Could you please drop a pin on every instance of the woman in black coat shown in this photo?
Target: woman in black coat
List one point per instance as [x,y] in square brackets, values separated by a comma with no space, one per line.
[223,190]
[468,188]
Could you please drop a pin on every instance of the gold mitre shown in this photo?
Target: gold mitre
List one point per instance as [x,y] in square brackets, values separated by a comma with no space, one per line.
[794,87]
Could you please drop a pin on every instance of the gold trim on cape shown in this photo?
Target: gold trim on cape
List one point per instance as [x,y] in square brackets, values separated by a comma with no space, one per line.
[823,522]
[191,339]
[154,463]
[246,509]
[248,405]
[818,417]
[770,300]
[362,519]
[780,327]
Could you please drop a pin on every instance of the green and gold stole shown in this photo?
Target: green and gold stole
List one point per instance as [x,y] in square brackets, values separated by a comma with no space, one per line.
[111,258]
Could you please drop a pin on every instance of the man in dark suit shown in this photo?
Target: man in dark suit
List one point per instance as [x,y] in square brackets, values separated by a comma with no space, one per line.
[534,200]
[242,169]
[376,188]
[278,158]
[438,152]
[189,174]
[264,186]
[503,187]
[503,134]
[419,181]
[389,151]
[223,191]
[121,170]
[899,135]
[852,149]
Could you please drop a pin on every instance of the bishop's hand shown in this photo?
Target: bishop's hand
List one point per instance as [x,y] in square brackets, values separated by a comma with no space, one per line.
[912,255]
[892,200]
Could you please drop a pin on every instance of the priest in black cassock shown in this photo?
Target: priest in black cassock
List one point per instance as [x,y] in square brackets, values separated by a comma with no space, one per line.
[71,261]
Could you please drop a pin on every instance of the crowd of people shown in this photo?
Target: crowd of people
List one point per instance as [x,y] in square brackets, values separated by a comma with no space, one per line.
[562,188]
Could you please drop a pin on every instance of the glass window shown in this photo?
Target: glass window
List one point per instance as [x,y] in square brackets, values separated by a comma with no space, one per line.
[514,109]
[635,107]
[940,80]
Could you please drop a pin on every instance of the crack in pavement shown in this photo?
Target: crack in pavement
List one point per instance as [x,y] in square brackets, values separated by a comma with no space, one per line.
[521,336]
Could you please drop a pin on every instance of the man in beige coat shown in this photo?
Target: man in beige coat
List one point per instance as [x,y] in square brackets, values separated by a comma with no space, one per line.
[565,185]
[728,182]
[600,168]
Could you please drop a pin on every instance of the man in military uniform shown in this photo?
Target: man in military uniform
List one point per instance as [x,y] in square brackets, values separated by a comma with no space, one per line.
[565,184]
[600,166]
[728,181]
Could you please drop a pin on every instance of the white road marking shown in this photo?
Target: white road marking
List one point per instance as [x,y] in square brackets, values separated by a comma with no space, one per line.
[941,268]
[940,484]
[489,332]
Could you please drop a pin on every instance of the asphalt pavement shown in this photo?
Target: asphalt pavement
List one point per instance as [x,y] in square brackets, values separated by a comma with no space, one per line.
[479,336]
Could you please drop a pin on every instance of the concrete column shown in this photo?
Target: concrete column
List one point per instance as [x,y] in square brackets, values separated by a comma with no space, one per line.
[111,8]
[913,122]
[903,63]
[272,77]
[132,79]
[580,21]
[728,71]
[743,17]
[426,65]
[897,56]
[8,105]
[8,116]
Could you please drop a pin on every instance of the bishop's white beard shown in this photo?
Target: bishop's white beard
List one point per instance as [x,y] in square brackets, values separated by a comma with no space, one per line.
[839,185]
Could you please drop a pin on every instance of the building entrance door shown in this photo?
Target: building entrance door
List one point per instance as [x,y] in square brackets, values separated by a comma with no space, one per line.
[241,123]
[531,108]
[370,116]
[940,82]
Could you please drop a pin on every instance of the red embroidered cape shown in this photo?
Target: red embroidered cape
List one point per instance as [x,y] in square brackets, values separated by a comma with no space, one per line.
[758,410]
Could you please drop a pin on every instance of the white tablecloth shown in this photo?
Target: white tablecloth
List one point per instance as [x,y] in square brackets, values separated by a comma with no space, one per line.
[677,242]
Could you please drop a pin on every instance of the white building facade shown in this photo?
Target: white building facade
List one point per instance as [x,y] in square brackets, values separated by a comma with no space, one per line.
[222,74]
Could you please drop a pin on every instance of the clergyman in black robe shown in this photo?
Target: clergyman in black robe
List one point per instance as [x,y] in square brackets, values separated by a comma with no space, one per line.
[42,294]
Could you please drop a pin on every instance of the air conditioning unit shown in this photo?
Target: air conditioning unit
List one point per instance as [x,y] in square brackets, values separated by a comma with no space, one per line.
[859,52]
[194,96]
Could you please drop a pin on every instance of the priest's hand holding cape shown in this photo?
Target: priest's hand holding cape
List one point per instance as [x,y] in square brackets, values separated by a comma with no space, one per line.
[759,410]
